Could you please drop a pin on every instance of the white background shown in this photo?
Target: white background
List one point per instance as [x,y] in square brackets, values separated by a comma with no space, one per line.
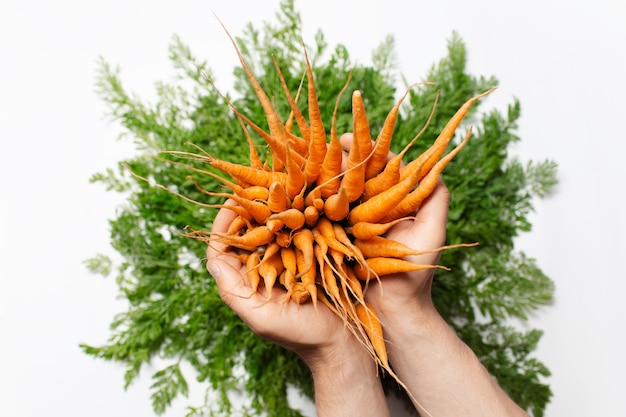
[565,61]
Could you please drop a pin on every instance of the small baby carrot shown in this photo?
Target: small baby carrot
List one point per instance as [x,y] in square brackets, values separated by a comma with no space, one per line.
[414,199]
[381,266]
[292,218]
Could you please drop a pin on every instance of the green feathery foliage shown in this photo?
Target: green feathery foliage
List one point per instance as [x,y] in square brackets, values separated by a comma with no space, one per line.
[174,311]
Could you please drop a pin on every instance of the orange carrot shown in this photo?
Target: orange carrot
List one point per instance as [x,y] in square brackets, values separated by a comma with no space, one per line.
[297,201]
[320,240]
[255,161]
[247,175]
[240,211]
[274,225]
[295,110]
[380,266]
[307,272]
[248,192]
[390,175]
[354,177]
[317,139]
[269,270]
[243,175]
[373,327]
[273,121]
[277,144]
[328,177]
[277,197]
[353,284]
[314,198]
[326,229]
[364,230]
[259,211]
[288,258]
[303,240]
[311,215]
[300,145]
[413,200]
[321,250]
[445,135]
[322,298]
[389,248]
[296,181]
[326,271]
[237,225]
[337,258]
[276,138]
[299,293]
[383,142]
[381,204]
[283,154]
[292,218]
[337,206]
[283,238]
[252,272]
[256,192]
[269,251]
[287,280]
[251,240]
[341,236]
[361,125]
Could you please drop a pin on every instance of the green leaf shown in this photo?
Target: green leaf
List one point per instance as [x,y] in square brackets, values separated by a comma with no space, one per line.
[168,383]
[100,264]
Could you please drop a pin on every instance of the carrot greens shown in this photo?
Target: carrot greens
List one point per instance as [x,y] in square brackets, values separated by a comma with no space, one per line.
[174,312]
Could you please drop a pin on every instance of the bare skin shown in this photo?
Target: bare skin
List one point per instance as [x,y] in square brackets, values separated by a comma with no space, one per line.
[344,374]
[444,376]
[439,369]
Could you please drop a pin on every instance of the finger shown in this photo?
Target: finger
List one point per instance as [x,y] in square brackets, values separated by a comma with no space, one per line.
[230,283]
[346,141]
[222,220]
[432,216]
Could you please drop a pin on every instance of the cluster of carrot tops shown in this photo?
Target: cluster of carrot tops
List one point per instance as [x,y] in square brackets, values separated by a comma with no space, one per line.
[314,220]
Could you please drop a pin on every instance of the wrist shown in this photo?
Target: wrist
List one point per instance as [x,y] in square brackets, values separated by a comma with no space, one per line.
[346,380]
[416,319]
[335,354]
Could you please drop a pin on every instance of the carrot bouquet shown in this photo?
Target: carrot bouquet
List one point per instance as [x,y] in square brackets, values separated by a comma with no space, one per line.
[312,219]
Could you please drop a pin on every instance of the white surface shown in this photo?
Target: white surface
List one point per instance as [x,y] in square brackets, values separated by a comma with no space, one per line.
[565,61]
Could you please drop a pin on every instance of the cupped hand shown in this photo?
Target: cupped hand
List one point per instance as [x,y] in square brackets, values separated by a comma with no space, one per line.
[305,329]
[426,231]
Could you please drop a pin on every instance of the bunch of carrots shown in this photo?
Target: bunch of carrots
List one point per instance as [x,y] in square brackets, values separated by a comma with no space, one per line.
[317,227]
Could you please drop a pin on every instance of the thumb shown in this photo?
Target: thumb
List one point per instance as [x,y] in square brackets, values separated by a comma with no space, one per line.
[432,216]
[230,282]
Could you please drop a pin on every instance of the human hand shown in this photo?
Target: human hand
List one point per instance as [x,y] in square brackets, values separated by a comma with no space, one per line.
[312,332]
[441,372]
[426,231]
[345,376]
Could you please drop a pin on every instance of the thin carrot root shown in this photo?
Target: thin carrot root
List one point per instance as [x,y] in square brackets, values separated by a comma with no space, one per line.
[374,330]
[308,228]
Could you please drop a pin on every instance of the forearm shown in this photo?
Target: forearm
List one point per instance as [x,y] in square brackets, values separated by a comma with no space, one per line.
[440,370]
[347,384]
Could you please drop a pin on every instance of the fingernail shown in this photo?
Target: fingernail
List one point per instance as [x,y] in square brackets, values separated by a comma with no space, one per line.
[214,269]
